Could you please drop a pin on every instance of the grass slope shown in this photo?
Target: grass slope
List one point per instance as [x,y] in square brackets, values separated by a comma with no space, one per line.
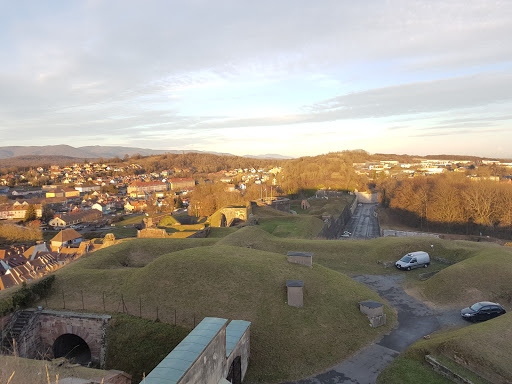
[235,283]
[284,224]
[486,276]
[319,207]
[357,256]
[484,347]
[137,345]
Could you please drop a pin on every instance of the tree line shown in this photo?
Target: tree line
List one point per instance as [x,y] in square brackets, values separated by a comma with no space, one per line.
[452,202]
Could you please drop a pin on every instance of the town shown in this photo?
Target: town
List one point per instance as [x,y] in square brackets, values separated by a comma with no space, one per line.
[90,198]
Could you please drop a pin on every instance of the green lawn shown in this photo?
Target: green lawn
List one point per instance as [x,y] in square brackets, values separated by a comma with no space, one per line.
[486,276]
[130,220]
[405,370]
[135,345]
[319,207]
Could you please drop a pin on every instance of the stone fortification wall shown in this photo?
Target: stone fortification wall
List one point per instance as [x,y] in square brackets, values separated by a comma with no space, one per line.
[281,204]
[209,366]
[44,327]
[333,228]
[153,233]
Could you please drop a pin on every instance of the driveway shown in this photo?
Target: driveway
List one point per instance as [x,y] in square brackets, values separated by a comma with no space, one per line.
[363,224]
[415,320]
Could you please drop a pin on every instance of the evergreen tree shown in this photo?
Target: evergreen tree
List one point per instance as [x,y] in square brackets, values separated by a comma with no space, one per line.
[30,213]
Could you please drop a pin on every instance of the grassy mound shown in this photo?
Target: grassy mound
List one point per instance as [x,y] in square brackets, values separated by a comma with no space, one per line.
[284,224]
[319,207]
[483,348]
[486,276]
[138,252]
[299,227]
[357,256]
[168,221]
[137,345]
[234,283]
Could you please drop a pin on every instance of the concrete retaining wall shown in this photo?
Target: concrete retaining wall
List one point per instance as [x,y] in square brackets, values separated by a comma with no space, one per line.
[334,228]
[391,232]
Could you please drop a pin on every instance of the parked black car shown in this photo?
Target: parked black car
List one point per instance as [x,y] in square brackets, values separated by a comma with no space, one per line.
[481,311]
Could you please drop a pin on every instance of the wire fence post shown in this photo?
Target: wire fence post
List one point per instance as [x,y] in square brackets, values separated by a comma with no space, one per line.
[140,307]
[63,300]
[157,313]
[104,310]
[83,306]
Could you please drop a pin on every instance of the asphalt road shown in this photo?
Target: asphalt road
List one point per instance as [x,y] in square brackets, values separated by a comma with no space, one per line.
[364,223]
[415,321]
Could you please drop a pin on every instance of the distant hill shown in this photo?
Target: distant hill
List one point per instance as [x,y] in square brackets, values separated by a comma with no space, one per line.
[88,152]
[97,151]
[38,161]
[270,156]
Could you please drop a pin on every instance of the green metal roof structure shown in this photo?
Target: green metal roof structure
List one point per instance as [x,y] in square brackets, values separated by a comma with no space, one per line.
[234,331]
[172,368]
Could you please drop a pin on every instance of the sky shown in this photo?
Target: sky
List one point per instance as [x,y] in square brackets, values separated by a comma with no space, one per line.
[289,77]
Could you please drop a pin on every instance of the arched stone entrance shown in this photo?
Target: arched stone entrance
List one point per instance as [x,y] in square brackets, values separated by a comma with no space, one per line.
[72,347]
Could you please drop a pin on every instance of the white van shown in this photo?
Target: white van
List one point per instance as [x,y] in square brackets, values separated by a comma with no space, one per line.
[413,260]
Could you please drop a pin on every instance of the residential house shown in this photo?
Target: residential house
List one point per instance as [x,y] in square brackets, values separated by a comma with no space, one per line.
[138,187]
[65,238]
[73,218]
[182,183]
[32,252]
[87,188]
[100,206]
[17,211]
[62,192]
[135,205]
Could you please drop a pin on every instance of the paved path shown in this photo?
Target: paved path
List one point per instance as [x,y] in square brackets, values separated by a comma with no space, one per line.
[364,224]
[415,321]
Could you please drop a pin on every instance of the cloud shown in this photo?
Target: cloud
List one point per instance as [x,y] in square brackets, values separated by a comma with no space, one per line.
[129,70]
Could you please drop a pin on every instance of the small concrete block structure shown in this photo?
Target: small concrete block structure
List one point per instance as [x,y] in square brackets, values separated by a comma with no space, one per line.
[377,321]
[213,351]
[303,258]
[295,295]
[371,308]
[374,311]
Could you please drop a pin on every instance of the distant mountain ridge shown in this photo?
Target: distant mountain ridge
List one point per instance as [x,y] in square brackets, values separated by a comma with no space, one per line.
[97,151]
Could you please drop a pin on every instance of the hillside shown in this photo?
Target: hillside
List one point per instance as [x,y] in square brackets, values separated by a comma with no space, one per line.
[356,256]
[202,277]
[486,276]
[484,348]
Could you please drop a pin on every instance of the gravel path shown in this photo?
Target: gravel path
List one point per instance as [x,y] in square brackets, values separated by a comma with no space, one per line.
[415,320]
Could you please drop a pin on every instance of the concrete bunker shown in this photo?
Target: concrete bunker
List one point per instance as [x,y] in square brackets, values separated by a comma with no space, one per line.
[304,258]
[212,353]
[72,347]
[374,311]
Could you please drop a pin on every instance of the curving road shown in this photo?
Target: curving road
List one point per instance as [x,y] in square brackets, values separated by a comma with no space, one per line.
[415,321]
[364,224]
